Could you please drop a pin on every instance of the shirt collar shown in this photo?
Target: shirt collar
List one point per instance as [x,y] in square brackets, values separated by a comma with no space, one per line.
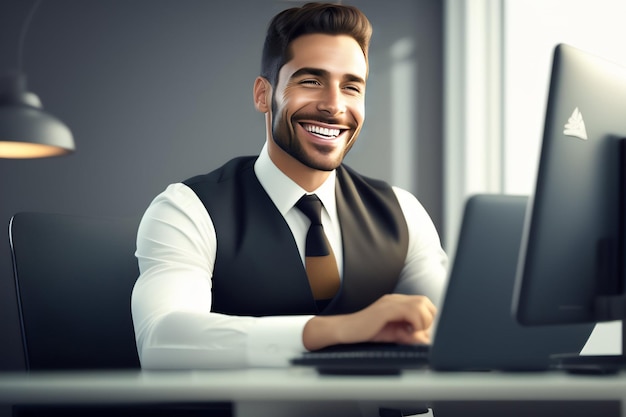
[284,192]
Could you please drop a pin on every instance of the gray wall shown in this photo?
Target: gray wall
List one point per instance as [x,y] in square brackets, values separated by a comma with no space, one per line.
[158,90]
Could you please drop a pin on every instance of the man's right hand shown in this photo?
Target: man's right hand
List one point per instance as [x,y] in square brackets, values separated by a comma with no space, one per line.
[396,318]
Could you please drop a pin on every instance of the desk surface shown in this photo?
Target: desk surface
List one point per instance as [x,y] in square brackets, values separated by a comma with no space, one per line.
[295,384]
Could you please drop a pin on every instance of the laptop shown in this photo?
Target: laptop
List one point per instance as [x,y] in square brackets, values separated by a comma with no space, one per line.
[475,329]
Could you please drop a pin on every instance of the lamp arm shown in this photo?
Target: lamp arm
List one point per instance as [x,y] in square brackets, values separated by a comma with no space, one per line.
[23,32]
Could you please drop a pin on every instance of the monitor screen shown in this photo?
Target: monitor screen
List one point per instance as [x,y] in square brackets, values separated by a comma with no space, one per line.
[571,265]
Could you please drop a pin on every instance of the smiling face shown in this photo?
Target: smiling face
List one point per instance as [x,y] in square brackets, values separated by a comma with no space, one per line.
[318,105]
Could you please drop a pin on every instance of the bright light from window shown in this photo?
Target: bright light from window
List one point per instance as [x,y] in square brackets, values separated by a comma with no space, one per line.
[532,29]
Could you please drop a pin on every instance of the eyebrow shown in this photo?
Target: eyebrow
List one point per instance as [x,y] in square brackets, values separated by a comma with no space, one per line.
[318,72]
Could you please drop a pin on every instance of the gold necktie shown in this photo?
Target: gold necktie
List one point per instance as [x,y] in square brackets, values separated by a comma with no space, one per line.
[321,266]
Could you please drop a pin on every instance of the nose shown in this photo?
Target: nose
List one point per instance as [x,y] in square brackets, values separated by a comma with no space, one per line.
[332,101]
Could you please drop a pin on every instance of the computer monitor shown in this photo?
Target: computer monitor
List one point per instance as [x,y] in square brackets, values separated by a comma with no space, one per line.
[571,264]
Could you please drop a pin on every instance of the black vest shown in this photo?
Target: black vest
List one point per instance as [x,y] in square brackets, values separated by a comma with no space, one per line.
[258,270]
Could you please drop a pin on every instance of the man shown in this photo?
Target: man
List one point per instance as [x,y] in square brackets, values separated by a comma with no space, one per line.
[224,256]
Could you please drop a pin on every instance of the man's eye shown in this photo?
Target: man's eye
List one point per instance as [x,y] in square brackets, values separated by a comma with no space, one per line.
[353,88]
[310,82]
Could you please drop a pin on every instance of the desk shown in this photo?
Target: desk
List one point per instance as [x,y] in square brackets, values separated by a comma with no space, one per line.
[261,392]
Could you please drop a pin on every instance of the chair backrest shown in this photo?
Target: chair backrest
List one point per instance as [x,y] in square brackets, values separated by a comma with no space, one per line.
[74,277]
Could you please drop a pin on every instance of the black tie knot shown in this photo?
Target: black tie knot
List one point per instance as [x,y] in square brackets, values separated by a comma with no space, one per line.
[311,206]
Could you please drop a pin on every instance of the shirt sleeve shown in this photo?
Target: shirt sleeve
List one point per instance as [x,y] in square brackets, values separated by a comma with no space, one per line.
[425,269]
[171,300]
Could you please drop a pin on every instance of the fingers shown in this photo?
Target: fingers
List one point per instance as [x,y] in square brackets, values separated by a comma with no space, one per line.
[415,310]
[403,319]
[421,337]
[403,334]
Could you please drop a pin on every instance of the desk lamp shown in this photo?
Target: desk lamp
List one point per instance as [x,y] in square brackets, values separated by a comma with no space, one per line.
[26,131]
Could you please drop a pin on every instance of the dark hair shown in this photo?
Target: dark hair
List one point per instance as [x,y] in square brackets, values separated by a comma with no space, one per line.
[327,18]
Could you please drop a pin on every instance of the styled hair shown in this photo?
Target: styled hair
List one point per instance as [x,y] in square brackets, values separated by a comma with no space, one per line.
[312,18]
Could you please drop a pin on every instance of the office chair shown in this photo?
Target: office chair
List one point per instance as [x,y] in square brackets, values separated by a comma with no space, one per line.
[74,277]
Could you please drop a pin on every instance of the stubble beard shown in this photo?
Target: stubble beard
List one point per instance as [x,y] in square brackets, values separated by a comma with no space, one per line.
[285,137]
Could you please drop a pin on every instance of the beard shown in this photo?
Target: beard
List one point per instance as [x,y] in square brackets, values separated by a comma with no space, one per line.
[284,135]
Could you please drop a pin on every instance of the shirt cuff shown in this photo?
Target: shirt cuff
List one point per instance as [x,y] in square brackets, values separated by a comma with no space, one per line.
[274,340]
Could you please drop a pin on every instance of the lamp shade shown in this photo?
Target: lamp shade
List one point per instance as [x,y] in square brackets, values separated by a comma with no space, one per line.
[26,130]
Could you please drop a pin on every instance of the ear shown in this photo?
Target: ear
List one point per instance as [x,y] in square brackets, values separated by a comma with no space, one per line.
[262,94]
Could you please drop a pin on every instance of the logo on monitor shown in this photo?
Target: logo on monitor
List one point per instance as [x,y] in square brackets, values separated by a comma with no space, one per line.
[575,125]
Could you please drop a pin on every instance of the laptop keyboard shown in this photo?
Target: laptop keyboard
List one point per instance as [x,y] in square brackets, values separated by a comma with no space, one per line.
[366,358]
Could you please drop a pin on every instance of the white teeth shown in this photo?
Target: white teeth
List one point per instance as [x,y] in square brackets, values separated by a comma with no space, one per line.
[323,131]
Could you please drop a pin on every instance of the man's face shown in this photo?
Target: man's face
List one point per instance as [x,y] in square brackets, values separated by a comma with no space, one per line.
[318,105]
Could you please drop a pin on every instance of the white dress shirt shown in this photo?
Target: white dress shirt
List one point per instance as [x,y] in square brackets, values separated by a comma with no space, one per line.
[176,251]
